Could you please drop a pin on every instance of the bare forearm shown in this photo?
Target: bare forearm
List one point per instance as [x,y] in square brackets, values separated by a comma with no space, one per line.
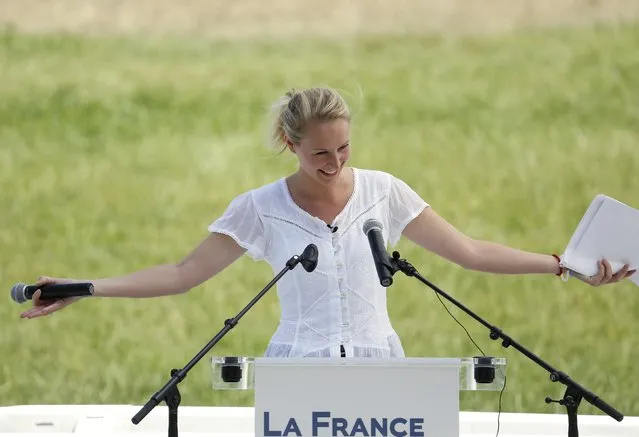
[496,258]
[211,256]
[162,280]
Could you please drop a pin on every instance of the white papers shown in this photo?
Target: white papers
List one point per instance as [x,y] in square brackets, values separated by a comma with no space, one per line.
[608,230]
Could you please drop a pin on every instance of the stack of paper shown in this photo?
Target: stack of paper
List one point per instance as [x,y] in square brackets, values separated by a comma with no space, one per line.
[608,230]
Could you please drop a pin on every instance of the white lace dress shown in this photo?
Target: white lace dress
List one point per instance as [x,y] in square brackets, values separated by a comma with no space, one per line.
[341,303]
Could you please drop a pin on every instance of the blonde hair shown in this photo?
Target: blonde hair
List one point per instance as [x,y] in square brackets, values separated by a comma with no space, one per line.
[292,112]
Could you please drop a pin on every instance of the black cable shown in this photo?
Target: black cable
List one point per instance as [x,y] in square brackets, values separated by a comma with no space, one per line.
[483,354]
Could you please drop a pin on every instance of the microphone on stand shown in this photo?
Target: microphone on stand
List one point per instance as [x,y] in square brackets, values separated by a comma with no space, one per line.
[373,230]
[308,259]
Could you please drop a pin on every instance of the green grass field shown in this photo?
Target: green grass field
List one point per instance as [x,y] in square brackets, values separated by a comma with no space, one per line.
[116,153]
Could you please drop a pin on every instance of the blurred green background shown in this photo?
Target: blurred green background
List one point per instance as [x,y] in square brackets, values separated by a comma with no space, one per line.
[120,144]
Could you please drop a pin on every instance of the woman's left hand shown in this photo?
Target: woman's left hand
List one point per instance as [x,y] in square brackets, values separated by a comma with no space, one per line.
[605,275]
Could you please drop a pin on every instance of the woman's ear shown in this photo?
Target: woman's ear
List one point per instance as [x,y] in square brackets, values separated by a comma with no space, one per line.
[289,144]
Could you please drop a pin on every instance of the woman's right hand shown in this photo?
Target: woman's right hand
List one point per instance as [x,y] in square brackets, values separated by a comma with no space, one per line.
[43,307]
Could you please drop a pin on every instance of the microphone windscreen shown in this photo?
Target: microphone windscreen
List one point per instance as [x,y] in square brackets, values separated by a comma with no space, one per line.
[309,257]
[371,224]
[17,293]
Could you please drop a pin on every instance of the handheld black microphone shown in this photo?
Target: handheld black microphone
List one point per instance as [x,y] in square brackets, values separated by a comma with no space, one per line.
[373,230]
[308,259]
[21,292]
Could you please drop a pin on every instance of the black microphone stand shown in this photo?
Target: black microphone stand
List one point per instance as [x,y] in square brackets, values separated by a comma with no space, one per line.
[574,392]
[170,393]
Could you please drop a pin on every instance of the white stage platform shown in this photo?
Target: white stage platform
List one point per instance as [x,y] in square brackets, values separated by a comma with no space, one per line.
[115,420]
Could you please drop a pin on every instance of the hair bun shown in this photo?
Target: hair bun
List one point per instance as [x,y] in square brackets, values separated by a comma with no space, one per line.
[293,111]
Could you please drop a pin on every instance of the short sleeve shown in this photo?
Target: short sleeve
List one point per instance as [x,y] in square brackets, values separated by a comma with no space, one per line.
[404,205]
[241,222]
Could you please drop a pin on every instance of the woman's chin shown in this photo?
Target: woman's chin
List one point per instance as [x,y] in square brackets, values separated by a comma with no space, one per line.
[328,178]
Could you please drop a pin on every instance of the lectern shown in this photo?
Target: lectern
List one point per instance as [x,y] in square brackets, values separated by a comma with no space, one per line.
[357,396]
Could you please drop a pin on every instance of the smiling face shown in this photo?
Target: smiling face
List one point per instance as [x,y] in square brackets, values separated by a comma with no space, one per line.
[324,150]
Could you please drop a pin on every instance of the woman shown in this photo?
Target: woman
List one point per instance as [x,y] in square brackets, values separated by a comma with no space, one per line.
[339,309]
